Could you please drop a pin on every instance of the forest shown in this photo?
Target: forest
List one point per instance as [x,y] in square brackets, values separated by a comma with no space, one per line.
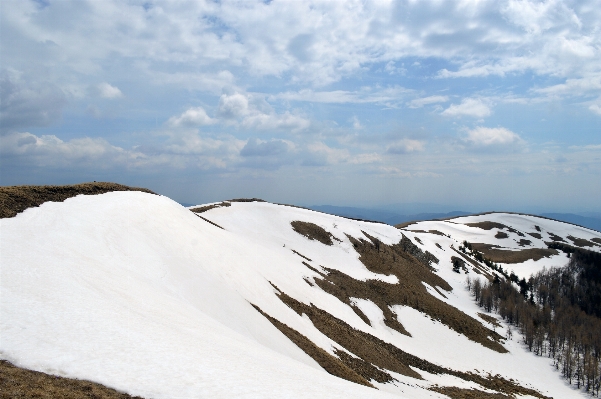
[557,311]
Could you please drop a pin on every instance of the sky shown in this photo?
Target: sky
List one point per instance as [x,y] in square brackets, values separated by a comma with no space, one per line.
[475,105]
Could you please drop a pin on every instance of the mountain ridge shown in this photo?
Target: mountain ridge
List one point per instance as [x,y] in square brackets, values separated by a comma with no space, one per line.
[369,289]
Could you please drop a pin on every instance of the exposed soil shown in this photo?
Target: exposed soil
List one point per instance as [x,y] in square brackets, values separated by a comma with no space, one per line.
[386,356]
[524,243]
[313,232]
[597,240]
[437,232]
[363,368]
[302,256]
[410,291]
[487,225]
[329,363]
[555,237]
[537,228]
[463,393]
[19,383]
[15,199]
[501,235]
[535,235]
[581,242]
[478,269]
[205,208]
[497,255]
[490,319]
[208,221]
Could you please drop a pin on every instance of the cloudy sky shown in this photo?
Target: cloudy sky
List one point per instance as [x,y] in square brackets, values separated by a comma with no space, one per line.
[473,104]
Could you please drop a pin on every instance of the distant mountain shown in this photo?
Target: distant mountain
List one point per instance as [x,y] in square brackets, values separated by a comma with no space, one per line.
[585,221]
[384,216]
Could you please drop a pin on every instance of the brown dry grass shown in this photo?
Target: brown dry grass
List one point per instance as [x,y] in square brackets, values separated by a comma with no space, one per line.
[313,232]
[497,255]
[19,383]
[581,242]
[555,237]
[486,225]
[386,356]
[205,208]
[410,291]
[597,240]
[15,199]
[501,235]
[535,235]
[490,319]
[463,393]
[329,363]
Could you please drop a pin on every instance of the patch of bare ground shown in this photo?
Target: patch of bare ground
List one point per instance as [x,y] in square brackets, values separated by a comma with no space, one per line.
[15,199]
[437,232]
[524,243]
[581,242]
[490,319]
[208,221]
[409,291]
[487,225]
[313,232]
[19,383]
[555,237]
[463,393]
[301,255]
[497,255]
[328,362]
[597,240]
[477,268]
[438,245]
[501,235]
[535,235]
[205,208]
[385,356]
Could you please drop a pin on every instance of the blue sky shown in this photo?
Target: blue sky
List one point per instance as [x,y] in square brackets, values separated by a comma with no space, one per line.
[472,104]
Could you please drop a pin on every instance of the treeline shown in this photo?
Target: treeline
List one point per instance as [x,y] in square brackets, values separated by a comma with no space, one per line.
[557,311]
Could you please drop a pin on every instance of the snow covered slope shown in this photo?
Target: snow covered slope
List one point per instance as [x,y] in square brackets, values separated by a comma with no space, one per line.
[136,292]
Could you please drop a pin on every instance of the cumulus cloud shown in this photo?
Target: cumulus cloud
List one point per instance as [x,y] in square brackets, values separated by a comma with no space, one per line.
[259,148]
[420,102]
[105,90]
[596,108]
[255,113]
[469,107]
[485,136]
[406,146]
[192,117]
[49,150]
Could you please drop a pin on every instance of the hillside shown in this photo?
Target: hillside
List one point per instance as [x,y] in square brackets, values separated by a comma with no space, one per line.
[251,299]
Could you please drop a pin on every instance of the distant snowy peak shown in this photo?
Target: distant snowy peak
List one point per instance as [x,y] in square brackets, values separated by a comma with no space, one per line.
[522,243]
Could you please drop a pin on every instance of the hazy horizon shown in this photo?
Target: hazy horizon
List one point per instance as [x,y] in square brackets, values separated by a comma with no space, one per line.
[472,105]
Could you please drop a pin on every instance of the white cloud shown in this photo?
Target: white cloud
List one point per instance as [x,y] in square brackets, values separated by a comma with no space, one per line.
[259,148]
[26,102]
[596,108]
[192,117]
[406,146]
[468,107]
[105,90]
[255,113]
[49,150]
[484,136]
[420,102]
